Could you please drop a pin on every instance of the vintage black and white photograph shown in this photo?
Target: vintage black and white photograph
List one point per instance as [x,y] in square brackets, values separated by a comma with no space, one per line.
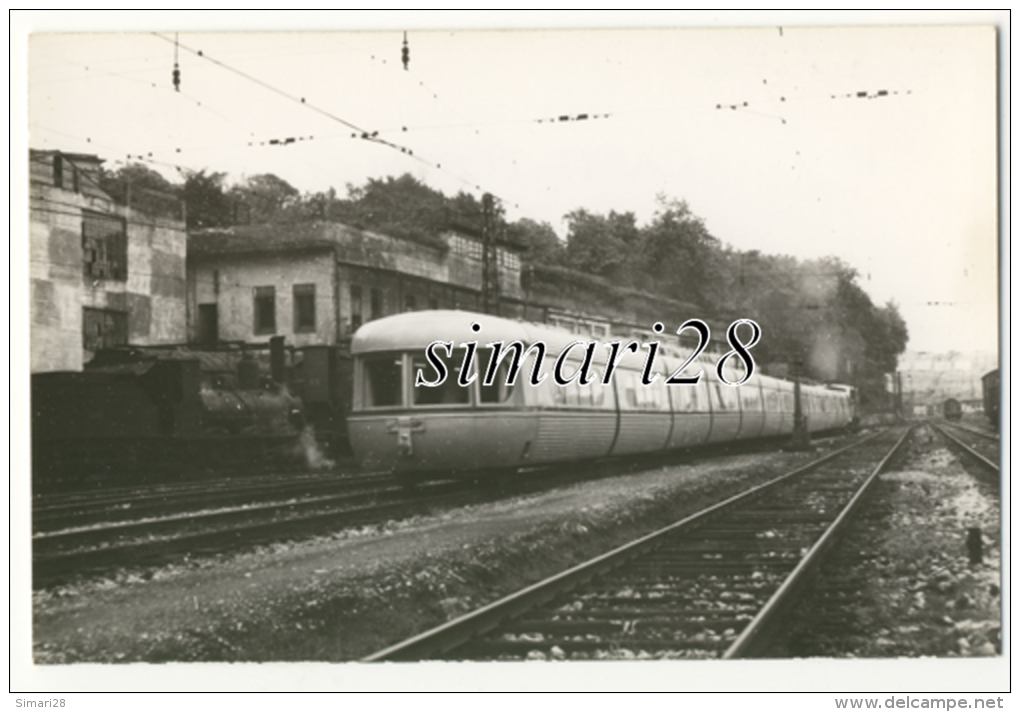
[645,342]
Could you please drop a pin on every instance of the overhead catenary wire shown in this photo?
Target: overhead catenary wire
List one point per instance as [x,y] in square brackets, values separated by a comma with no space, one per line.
[377,135]
[276,90]
[360,132]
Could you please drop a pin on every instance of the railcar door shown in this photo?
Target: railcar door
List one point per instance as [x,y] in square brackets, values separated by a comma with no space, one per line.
[786,407]
[773,408]
[504,429]
[572,422]
[752,408]
[725,409]
[645,417]
[692,414]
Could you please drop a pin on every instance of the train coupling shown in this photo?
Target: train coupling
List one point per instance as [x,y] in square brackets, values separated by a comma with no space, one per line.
[405,426]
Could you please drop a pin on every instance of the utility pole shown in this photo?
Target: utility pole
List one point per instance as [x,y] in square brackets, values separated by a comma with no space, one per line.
[490,256]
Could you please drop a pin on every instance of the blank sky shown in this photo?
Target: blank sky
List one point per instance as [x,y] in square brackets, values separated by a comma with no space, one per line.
[901,186]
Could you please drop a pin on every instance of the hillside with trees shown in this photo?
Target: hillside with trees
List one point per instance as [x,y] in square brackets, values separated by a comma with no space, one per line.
[812,312]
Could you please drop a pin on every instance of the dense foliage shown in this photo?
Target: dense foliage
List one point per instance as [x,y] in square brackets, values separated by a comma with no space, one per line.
[813,312]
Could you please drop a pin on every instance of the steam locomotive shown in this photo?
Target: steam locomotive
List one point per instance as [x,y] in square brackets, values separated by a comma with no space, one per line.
[135,411]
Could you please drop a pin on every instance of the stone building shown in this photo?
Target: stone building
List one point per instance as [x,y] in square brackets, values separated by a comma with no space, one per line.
[316,283]
[101,274]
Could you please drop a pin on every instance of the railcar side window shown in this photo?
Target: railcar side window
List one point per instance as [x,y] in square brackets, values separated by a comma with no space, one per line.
[655,395]
[597,393]
[573,393]
[693,396]
[383,381]
[752,400]
[450,392]
[628,388]
[498,392]
[726,397]
[680,398]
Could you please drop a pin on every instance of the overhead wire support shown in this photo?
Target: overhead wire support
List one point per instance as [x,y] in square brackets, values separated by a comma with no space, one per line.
[177,68]
[264,85]
[360,132]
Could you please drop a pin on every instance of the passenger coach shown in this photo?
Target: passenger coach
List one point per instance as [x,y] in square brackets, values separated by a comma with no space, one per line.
[450,428]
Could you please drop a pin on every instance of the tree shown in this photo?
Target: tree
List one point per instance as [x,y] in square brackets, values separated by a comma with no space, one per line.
[602,244]
[207,203]
[137,185]
[540,242]
[680,255]
[265,198]
[403,207]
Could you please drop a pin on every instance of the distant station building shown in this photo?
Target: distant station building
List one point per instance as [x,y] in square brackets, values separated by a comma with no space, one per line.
[927,379]
[102,274]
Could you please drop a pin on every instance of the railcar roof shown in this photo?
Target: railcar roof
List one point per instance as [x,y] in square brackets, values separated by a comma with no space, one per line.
[416,330]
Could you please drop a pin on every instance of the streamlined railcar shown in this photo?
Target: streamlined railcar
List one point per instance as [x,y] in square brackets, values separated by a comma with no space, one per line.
[451,428]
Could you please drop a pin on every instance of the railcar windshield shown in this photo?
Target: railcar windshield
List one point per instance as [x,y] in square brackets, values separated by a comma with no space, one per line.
[383,380]
[450,392]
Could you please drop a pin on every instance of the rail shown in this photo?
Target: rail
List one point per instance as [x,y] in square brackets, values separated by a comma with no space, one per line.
[451,635]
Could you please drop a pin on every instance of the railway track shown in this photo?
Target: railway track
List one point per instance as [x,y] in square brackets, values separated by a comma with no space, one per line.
[714,584]
[111,506]
[70,553]
[91,534]
[982,448]
[82,509]
[983,433]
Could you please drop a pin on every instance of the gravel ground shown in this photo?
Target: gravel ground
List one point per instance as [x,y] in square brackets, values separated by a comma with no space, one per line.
[901,584]
[343,596]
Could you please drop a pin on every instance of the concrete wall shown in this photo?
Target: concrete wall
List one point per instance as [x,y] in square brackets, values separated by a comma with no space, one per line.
[230,280]
[395,290]
[55,270]
[153,296]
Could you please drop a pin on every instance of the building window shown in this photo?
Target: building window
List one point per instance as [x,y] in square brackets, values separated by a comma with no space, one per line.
[304,308]
[356,307]
[466,246]
[410,303]
[377,303]
[104,246]
[208,324]
[265,310]
[103,328]
[509,260]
